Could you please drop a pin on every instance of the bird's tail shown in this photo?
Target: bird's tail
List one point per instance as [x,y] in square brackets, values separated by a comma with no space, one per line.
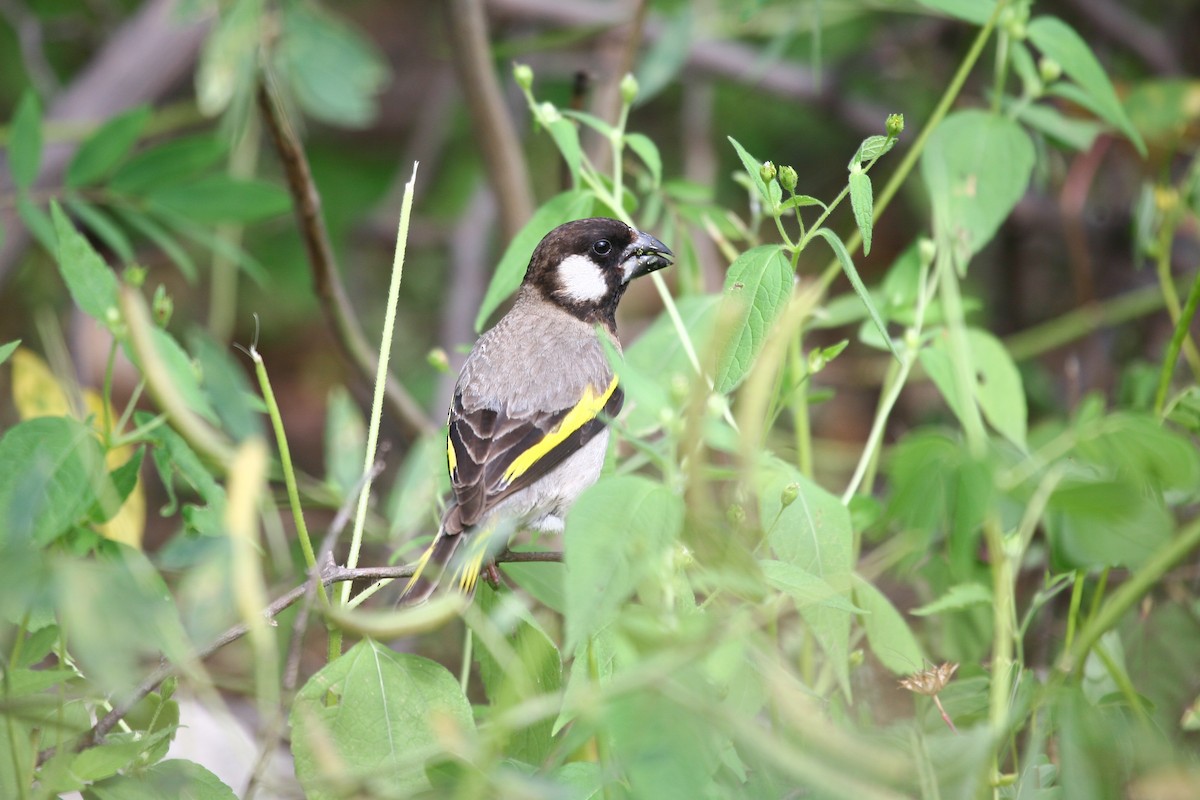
[430,567]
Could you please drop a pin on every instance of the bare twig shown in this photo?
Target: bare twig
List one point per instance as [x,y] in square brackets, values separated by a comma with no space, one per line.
[326,278]
[466,24]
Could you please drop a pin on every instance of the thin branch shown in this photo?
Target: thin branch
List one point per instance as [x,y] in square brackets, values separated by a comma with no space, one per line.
[326,278]
[330,574]
[466,24]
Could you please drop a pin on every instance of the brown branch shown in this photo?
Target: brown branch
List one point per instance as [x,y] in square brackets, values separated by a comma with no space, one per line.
[330,574]
[466,25]
[326,279]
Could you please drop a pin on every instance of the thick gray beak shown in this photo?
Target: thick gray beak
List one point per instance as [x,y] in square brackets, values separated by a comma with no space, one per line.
[645,255]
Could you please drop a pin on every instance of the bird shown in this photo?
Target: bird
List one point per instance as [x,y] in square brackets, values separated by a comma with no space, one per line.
[527,425]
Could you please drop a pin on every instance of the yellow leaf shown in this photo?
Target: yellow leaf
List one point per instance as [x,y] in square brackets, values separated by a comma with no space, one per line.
[36,392]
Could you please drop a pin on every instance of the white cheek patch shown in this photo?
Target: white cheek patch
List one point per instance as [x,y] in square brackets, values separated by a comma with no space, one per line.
[581,280]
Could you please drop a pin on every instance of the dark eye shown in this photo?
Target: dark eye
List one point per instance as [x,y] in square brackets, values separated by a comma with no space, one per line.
[602,247]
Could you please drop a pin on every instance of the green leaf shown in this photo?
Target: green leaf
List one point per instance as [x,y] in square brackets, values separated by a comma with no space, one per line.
[345,441]
[178,778]
[1059,41]
[998,389]
[123,479]
[591,120]
[647,151]
[1105,524]
[51,471]
[25,141]
[757,287]
[976,167]
[813,534]
[148,227]
[6,350]
[334,72]
[511,269]
[801,201]
[1073,132]
[102,226]
[229,58]
[1139,450]
[38,223]
[171,162]
[862,201]
[805,588]
[665,749]
[227,388]
[92,284]
[221,198]
[977,11]
[956,598]
[871,148]
[566,137]
[390,715]
[603,569]
[843,257]
[751,165]
[101,152]
[525,664]
[891,640]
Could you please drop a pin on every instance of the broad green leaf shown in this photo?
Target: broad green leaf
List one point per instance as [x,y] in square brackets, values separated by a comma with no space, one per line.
[25,141]
[804,587]
[345,441]
[752,166]
[511,269]
[843,257]
[182,371]
[998,389]
[92,284]
[891,640]
[176,778]
[657,359]
[124,479]
[545,583]
[1161,109]
[617,534]
[389,717]
[100,224]
[171,162]
[1105,524]
[152,230]
[665,750]
[871,148]
[101,152]
[221,198]
[977,11]
[566,137]
[647,151]
[334,72]
[228,60]
[525,666]
[801,201]
[227,388]
[591,120]
[51,471]
[7,350]
[1076,133]
[976,167]
[956,598]
[862,201]
[1059,41]
[1139,450]
[173,454]
[812,533]
[757,287]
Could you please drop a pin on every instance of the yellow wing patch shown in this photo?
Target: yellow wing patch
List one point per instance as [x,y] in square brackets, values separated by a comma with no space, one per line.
[584,411]
[451,456]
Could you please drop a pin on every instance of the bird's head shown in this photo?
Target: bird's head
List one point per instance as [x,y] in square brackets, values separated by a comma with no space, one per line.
[584,266]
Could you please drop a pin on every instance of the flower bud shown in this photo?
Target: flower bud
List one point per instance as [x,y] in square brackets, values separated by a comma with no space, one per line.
[135,275]
[789,494]
[523,75]
[438,359]
[1049,70]
[767,172]
[894,125]
[163,306]
[735,514]
[926,250]
[629,89]
[816,361]
[788,178]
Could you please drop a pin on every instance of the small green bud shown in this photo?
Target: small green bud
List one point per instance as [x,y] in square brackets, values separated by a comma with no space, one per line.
[438,359]
[629,89]
[788,178]
[548,113]
[816,361]
[163,306]
[112,317]
[894,125]
[767,172]
[912,340]
[1049,70]
[735,514]
[134,275]
[926,250]
[789,494]
[523,75]
[716,405]
[681,388]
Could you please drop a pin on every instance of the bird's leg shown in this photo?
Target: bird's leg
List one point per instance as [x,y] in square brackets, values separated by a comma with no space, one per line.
[491,574]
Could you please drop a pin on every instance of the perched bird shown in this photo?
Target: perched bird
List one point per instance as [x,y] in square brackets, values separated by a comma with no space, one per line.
[527,423]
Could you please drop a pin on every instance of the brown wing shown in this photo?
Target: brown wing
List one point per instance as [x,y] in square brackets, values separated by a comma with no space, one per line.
[492,455]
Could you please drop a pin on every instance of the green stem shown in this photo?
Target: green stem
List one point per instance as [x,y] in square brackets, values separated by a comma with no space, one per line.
[799,400]
[960,351]
[1179,340]
[1004,622]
